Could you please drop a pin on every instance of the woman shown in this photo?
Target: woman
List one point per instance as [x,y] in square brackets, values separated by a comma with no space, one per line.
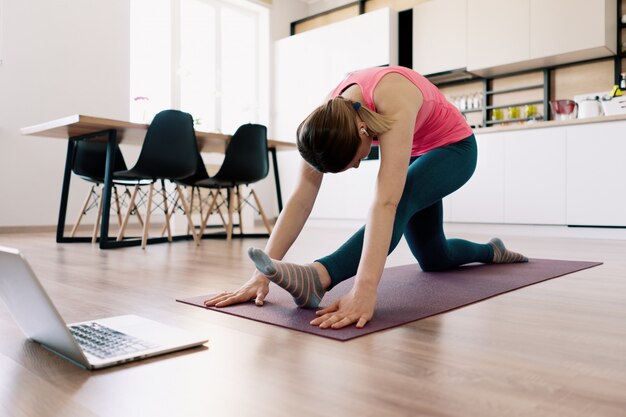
[427,151]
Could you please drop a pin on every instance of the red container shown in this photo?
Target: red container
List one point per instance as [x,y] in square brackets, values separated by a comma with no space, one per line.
[563,109]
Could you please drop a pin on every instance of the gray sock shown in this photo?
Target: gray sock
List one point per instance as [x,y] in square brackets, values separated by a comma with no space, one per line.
[301,281]
[501,255]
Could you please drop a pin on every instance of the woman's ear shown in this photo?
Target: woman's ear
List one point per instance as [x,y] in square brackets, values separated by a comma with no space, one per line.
[363,129]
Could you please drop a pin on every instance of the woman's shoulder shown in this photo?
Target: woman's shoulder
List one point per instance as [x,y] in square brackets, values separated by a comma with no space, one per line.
[394,89]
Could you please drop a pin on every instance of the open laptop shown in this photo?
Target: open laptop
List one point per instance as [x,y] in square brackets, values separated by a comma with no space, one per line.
[93,344]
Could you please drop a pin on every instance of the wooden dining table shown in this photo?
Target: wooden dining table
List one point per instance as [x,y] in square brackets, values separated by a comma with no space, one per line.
[81,127]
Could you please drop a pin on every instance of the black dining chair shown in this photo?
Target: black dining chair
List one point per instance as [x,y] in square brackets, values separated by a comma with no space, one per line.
[168,153]
[210,203]
[89,164]
[245,162]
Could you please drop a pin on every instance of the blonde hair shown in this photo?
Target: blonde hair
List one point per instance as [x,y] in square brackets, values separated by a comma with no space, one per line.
[328,138]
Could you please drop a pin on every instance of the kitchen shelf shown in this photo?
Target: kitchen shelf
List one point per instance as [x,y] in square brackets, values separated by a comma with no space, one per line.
[514,90]
[521,119]
[471,111]
[525,103]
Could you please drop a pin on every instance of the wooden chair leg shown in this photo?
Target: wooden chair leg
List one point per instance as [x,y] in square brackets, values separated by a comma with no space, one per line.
[224,223]
[94,235]
[168,214]
[205,219]
[167,218]
[191,204]
[146,223]
[134,207]
[188,214]
[239,207]
[82,212]
[131,204]
[118,206]
[258,205]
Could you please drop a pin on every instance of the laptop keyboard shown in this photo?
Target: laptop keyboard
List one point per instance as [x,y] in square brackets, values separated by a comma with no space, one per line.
[104,342]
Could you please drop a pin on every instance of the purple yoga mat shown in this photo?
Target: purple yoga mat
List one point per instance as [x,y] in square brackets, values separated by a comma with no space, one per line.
[406,294]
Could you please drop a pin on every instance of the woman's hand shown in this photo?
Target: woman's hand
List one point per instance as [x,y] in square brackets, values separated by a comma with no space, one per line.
[354,307]
[256,288]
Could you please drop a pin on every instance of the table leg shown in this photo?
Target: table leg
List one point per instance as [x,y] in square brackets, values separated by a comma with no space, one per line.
[65,190]
[106,191]
[279,196]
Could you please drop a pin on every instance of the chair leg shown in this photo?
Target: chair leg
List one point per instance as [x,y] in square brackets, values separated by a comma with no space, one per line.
[205,219]
[94,235]
[238,188]
[146,223]
[258,205]
[168,214]
[117,206]
[191,204]
[224,223]
[167,218]
[231,206]
[82,212]
[188,214]
[131,204]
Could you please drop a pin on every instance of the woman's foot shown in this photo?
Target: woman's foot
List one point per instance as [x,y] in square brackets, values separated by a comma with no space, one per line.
[501,255]
[303,282]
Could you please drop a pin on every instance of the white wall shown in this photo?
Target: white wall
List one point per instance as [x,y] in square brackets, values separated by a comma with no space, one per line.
[59,58]
[64,57]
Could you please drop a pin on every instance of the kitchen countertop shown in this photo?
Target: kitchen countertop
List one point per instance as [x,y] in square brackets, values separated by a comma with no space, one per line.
[550,123]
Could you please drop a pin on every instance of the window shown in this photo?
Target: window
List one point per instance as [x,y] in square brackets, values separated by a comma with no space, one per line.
[209,58]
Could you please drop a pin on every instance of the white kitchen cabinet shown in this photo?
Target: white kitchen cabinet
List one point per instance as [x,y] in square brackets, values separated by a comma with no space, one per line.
[309,65]
[582,29]
[299,88]
[347,195]
[596,175]
[439,36]
[498,33]
[481,199]
[535,176]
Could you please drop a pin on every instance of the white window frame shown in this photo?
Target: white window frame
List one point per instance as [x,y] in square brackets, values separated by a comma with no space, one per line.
[261,93]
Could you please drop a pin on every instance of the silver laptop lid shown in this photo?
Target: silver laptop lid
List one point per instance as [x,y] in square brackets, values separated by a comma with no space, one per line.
[31,307]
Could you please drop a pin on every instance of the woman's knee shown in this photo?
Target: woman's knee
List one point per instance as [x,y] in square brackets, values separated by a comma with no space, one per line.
[433,265]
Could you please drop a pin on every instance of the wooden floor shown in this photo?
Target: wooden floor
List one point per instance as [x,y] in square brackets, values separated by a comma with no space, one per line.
[553,349]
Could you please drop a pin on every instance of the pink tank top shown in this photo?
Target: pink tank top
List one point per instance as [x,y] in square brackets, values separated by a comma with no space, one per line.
[438,122]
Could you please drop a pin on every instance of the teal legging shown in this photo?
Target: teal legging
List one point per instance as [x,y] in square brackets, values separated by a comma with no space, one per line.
[419,215]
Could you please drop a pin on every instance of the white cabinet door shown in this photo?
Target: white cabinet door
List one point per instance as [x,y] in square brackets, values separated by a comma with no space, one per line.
[566,26]
[440,36]
[307,67]
[368,40]
[310,64]
[534,176]
[596,174]
[300,84]
[481,199]
[347,195]
[498,33]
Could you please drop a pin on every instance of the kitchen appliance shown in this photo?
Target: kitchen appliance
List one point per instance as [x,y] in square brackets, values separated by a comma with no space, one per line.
[589,107]
[616,105]
[563,109]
